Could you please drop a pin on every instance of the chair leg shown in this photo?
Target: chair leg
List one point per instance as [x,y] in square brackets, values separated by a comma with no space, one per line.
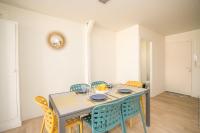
[70,129]
[142,104]
[42,127]
[123,126]
[143,121]
[81,127]
[130,122]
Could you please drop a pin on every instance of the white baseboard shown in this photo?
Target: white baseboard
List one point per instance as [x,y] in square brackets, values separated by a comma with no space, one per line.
[9,125]
[195,95]
[31,116]
[156,92]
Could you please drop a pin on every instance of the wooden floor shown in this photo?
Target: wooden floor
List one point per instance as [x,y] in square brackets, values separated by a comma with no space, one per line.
[170,113]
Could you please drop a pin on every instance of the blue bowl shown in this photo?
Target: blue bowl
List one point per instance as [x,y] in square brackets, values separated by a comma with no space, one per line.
[125,91]
[98,97]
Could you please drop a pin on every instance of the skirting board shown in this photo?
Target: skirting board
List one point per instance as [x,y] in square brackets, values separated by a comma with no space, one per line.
[156,92]
[9,125]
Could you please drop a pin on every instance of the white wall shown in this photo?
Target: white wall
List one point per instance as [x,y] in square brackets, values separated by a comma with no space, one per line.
[103,55]
[158,41]
[44,70]
[127,54]
[194,37]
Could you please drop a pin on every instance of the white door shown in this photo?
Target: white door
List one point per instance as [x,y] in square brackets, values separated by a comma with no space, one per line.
[9,93]
[178,67]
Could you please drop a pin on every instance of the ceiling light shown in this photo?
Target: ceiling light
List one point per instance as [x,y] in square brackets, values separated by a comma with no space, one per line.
[103,1]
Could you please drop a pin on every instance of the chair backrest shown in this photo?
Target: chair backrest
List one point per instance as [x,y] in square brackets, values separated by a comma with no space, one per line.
[77,87]
[96,83]
[50,121]
[135,84]
[106,116]
[131,106]
[42,102]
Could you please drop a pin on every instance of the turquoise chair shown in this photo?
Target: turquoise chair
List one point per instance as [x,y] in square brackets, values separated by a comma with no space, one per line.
[131,107]
[77,87]
[96,83]
[105,117]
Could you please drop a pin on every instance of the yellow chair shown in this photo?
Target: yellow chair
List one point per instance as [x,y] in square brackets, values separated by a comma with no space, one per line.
[137,84]
[42,102]
[50,121]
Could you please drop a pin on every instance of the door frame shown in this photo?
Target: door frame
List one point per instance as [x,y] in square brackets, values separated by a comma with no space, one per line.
[13,123]
[151,61]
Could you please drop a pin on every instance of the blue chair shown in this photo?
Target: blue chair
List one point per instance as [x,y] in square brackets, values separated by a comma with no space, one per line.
[131,107]
[77,87]
[96,83]
[105,117]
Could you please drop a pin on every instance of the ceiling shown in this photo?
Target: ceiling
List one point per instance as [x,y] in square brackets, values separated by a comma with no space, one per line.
[164,16]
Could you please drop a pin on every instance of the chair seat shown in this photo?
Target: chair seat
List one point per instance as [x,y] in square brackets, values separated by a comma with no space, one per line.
[87,119]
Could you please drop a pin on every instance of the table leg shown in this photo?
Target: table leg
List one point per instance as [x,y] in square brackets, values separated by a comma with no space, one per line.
[61,125]
[148,108]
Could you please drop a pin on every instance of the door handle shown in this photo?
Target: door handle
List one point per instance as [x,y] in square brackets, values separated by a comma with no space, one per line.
[189,69]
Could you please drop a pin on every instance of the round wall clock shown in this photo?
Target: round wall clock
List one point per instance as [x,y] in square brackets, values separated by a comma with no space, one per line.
[56,40]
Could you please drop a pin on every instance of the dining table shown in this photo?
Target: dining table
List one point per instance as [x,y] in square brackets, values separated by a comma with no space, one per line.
[69,105]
